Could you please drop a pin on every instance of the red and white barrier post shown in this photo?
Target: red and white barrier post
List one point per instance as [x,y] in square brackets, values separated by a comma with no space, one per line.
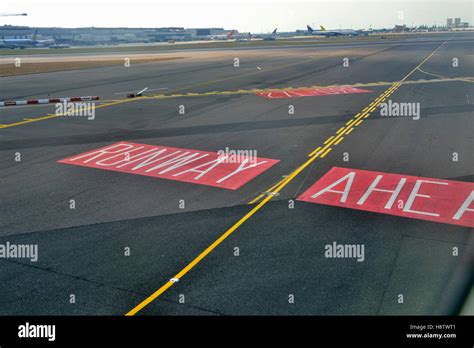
[47,101]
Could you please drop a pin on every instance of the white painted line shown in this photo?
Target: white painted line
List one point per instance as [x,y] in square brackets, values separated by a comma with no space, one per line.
[154,89]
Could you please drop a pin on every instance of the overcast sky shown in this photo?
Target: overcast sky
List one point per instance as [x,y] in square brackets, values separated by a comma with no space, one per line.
[243,15]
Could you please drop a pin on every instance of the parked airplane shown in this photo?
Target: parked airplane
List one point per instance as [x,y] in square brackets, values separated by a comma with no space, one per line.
[59,46]
[23,43]
[324,32]
[244,37]
[271,36]
[228,36]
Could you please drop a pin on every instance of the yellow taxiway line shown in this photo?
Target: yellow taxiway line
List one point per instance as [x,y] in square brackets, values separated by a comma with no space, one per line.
[323,152]
[250,91]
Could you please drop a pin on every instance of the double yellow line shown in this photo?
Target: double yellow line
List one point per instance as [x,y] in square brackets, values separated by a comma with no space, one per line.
[319,152]
[335,139]
[352,123]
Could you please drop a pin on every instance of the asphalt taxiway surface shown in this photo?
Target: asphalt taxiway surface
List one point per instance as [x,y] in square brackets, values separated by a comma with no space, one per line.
[128,234]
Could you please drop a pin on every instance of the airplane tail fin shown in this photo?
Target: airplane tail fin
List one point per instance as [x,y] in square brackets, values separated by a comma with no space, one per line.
[230,34]
[309,28]
[35,34]
[274,31]
[322,28]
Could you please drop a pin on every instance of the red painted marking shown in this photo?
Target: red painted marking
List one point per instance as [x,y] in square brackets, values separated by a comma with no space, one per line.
[198,167]
[415,197]
[312,92]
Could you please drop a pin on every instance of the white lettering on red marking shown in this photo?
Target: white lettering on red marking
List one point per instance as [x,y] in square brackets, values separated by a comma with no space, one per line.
[312,92]
[195,166]
[436,200]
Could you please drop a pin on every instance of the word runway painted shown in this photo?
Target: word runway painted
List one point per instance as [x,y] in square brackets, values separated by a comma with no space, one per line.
[195,166]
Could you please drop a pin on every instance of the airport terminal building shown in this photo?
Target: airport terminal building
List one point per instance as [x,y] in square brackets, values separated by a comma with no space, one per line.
[110,36]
